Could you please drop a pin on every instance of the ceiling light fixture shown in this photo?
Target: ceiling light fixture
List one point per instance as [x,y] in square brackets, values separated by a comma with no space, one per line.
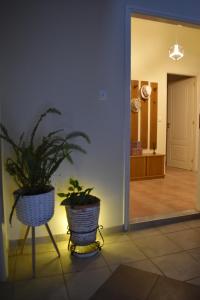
[176,51]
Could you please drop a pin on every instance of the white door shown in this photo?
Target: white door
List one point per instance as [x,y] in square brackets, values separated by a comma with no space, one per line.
[181,124]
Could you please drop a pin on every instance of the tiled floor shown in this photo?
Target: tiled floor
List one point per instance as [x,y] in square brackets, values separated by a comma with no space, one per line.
[171,250]
[164,196]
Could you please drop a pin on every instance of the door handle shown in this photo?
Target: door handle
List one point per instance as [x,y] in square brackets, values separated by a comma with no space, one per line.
[168,125]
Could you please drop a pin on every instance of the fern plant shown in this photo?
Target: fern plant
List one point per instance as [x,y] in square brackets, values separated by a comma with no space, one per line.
[77,195]
[35,161]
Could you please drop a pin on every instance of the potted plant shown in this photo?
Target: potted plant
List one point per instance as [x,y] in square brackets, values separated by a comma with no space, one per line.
[32,165]
[82,209]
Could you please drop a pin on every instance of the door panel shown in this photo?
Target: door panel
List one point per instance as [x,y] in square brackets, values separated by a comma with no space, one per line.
[181,124]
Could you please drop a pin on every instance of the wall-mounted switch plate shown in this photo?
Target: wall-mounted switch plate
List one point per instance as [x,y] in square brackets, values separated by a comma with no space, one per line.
[102,95]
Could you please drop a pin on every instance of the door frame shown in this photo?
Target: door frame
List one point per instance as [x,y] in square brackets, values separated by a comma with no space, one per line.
[130,11]
[3,225]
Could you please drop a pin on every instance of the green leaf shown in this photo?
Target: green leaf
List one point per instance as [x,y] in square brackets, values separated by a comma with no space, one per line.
[88,191]
[62,195]
[75,134]
[42,116]
[77,195]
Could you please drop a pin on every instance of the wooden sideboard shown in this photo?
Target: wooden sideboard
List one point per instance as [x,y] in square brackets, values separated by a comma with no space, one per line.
[147,166]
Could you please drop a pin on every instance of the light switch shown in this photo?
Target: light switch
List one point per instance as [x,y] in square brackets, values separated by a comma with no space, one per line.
[102,95]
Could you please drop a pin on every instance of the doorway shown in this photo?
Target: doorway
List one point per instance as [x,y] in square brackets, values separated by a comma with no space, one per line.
[160,198]
[181,135]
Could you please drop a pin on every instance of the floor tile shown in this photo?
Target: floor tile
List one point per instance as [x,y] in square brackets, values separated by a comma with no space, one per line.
[137,234]
[145,265]
[186,239]
[74,264]
[6,290]
[195,253]
[153,246]
[116,238]
[195,281]
[180,266]
[47,264]
[63,245]
[51,288]
[39,248]
[113,267]
[169,289]
[173,227]
[82,285]
[23,269]
[193,223]
[118,253]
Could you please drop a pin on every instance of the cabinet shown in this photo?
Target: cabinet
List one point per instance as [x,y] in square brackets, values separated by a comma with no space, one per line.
[147,166]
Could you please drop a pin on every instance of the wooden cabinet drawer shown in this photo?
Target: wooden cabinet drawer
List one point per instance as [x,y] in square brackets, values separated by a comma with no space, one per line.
[155,166]
[147,166]
[138,167]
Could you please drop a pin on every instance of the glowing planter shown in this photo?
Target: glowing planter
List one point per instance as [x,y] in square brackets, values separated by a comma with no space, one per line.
[35,210]
[83,223]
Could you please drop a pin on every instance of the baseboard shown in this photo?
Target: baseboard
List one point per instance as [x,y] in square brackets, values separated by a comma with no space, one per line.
[144,223]
[112,230]
[40,239]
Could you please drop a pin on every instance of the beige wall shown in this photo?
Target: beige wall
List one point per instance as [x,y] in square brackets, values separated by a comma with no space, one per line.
[62,53]
[150,42]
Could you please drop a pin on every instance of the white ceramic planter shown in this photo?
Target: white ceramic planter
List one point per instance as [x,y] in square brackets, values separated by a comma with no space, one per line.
[35,210]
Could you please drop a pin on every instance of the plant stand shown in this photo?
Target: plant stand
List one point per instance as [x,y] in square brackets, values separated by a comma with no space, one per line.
[33,244]
[85,250]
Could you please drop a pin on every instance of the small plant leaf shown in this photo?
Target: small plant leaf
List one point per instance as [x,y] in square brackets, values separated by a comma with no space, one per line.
[62,195]
[77,195]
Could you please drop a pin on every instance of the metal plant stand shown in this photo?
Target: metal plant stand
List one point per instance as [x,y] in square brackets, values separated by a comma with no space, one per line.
[94,247]
[33,244]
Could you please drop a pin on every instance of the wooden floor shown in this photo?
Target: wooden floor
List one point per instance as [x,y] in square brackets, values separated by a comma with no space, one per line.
[158,197]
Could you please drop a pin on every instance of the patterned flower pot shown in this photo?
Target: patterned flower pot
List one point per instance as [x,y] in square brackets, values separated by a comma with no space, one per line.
[83,223]
[35,210]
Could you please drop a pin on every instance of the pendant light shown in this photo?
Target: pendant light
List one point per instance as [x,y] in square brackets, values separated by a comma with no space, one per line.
[176,51]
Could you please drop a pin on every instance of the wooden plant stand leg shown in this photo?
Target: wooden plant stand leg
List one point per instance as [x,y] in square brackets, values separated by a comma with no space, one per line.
[25,238]
[52,239]
[33,251]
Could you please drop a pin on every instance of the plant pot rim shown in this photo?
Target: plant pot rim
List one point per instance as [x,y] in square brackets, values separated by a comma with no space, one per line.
[78,206]
[22,192]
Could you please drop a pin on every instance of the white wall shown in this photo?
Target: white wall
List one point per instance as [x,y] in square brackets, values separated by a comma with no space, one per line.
[61,53]
[150,61]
